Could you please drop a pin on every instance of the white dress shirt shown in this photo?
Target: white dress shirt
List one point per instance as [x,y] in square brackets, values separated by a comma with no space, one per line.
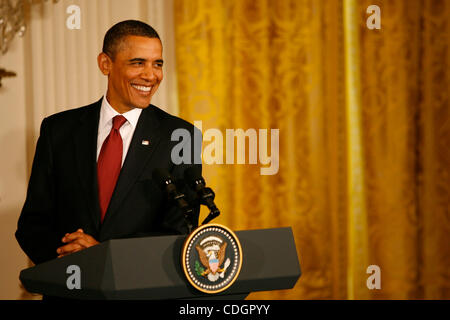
[107,113]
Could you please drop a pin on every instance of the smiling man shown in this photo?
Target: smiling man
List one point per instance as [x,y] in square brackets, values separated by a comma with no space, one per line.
[91,178]
[133,64]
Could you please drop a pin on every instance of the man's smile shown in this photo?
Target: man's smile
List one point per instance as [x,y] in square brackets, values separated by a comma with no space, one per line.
[141,88]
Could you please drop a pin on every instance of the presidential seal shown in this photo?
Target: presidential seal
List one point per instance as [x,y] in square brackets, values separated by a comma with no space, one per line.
[212,258]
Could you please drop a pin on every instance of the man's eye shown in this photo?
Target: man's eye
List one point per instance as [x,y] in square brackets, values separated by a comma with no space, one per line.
[138,63]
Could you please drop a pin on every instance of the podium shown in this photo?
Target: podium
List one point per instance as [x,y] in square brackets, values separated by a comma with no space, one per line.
[150,268]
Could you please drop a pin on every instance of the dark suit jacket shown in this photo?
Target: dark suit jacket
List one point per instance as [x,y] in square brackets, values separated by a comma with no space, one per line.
[62,192]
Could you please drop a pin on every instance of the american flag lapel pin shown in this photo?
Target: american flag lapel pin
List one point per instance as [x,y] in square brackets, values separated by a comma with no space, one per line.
[145,142]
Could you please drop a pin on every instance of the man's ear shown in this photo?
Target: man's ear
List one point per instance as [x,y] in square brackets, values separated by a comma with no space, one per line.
[104,63]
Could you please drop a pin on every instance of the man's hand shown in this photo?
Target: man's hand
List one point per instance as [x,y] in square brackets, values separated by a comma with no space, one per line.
[75,241]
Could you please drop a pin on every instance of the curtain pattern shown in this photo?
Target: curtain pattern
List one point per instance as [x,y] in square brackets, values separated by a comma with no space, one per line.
[377,195]
[406,121]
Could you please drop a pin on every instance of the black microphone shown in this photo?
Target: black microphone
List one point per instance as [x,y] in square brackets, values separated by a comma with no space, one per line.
[193,177]
[164,179]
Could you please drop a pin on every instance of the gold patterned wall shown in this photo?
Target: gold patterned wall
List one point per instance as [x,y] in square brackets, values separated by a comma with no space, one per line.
[364,134]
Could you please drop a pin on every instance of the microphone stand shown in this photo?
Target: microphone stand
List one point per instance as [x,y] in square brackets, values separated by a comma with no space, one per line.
[214,212]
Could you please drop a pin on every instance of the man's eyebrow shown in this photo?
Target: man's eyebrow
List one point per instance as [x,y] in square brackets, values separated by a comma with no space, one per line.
[144,60]
[137,60]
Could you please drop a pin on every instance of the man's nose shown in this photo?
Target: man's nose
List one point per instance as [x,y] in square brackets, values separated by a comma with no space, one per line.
[148,74]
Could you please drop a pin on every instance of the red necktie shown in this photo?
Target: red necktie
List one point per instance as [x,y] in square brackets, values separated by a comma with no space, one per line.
[109,164]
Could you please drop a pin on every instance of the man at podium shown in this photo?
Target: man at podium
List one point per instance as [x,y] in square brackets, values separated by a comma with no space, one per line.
[91,177]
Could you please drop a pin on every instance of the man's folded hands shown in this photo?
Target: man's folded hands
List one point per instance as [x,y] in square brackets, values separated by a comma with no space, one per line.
[74,242]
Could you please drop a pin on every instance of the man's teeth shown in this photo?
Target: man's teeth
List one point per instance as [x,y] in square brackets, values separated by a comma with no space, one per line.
[142,88]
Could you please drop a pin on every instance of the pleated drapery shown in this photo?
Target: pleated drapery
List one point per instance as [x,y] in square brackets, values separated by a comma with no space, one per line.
[363,119]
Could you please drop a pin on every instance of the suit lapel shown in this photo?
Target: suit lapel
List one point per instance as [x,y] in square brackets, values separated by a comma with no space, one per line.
[138,156]
[85,139]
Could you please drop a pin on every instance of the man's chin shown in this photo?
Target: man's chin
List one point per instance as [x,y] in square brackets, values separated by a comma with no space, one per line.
[142,105]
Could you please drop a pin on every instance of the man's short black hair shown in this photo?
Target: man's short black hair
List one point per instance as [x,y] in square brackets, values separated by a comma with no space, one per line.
[117,33]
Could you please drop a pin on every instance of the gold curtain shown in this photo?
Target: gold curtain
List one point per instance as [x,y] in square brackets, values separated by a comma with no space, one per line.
[363,119]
